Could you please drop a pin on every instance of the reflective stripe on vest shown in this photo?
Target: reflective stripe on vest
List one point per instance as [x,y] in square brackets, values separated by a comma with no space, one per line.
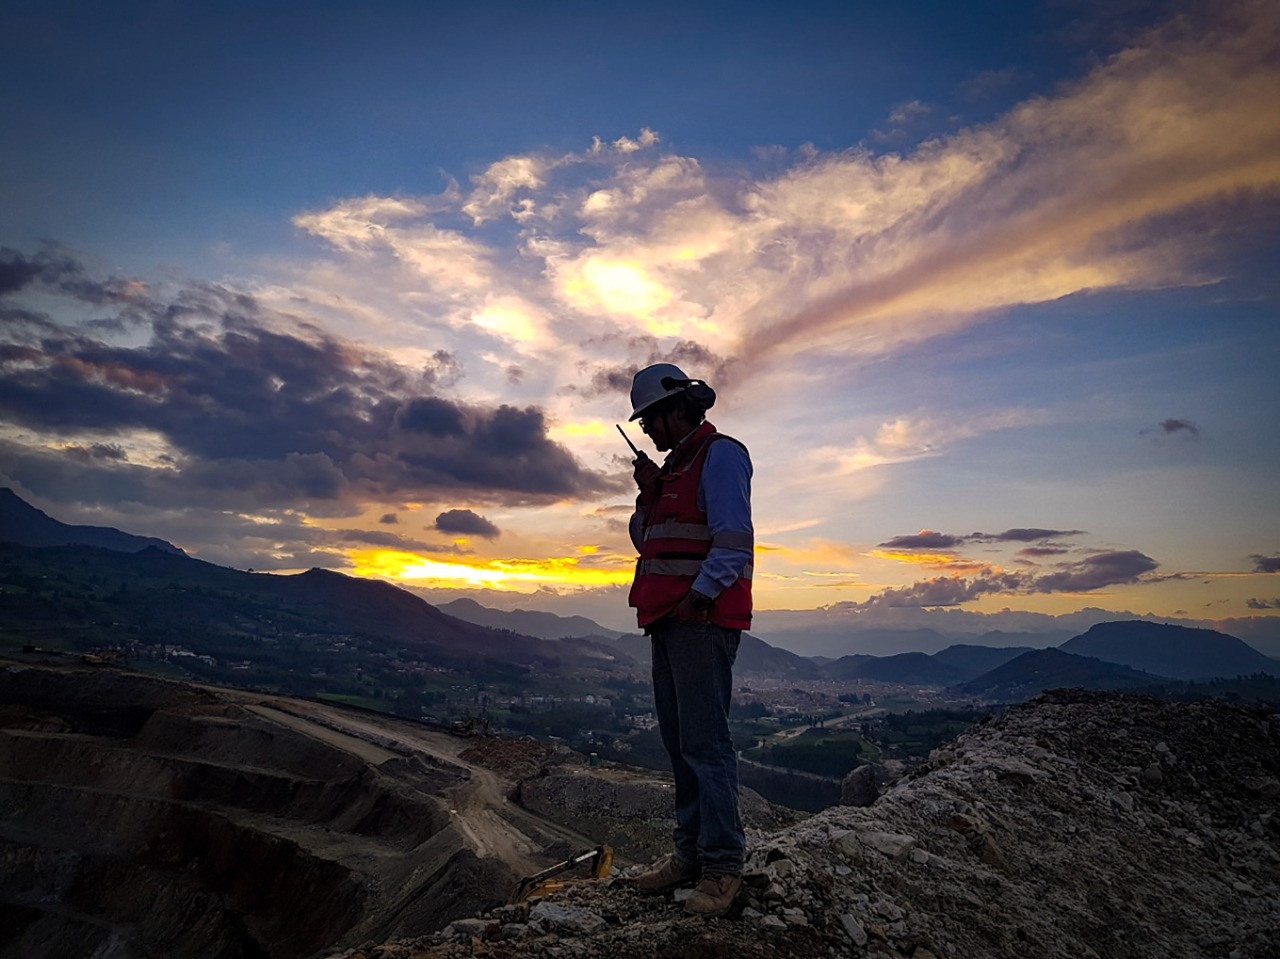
[729,539]
[678,567]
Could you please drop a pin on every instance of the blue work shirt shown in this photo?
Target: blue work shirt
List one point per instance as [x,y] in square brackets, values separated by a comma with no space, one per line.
[724,494]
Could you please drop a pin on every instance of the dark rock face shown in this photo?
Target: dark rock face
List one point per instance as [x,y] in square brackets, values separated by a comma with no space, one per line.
[861,787]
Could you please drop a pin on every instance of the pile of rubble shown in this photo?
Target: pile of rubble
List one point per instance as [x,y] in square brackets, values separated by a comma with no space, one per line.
[518,758]
[1077,825]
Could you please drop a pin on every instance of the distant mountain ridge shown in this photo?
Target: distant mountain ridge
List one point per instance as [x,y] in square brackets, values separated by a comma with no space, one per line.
[1178,652]
[237,615]
[527,622]
[1114,655]
[1040,669]
[22,523]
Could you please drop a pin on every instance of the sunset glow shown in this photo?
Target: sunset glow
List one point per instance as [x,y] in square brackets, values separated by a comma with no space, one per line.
[508,574]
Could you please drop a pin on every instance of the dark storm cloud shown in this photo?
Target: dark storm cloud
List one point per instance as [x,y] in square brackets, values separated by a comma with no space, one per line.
[467,523]
[265,409]
[1179,426]
[608,379]
[1172,427]
[1030,535]
[1265,564]
[1111,568]
[58,271]
[97,451]
[1043,551]
[1095,572]
[927,539]
[16,271]
[431,415]
[945,591]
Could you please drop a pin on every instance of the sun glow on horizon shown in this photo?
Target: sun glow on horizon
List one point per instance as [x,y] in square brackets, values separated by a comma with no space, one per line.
[495,574]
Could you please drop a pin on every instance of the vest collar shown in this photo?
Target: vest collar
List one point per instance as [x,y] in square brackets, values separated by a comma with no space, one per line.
[687,448]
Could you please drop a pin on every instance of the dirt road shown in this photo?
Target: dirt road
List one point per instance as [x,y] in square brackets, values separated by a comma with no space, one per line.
[493,825]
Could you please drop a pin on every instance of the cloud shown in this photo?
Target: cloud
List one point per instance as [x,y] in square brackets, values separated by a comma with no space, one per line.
[925,539]
[907,438]
[389,518]
[1111,568]
[1263,603]
[1265,564]
[944,591]
[258,409]
[57,271]
[498,185]
[1173,427]
[1065,193]
[451,262]
[904,113]
[1038,551]
[1029,535]
[1112,182]
[930,540]
[467,523]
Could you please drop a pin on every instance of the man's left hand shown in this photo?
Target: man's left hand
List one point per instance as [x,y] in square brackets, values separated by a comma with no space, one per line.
[694,608]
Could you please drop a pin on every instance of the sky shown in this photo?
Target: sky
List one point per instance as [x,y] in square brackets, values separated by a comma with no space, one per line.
[989,291]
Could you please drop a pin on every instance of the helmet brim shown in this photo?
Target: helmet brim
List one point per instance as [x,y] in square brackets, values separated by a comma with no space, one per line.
[640,410]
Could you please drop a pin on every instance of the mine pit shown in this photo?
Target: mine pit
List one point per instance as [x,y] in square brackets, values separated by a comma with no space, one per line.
[141,818]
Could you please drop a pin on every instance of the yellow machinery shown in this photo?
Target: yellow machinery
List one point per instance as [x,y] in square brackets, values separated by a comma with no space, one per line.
[599,861]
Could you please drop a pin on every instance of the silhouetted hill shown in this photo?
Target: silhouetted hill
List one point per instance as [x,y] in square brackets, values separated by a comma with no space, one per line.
[1038,640]
[846,667]
[314,631]
[806,635]
[754,656]
[527,622]
[757,656]
[955,664]
[976,660]
[20,522]
[1178,652]
[1041,669]
[911,668]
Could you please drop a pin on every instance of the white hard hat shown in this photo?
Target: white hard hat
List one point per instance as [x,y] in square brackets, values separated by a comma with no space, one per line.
[654,384]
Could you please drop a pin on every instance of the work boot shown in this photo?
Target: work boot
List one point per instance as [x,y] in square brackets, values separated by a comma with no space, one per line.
[667,873]
[713,895]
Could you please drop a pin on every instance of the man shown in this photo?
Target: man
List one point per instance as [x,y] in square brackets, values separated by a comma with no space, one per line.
[692,595]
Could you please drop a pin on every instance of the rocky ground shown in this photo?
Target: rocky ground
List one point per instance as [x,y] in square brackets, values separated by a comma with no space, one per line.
[1077,825]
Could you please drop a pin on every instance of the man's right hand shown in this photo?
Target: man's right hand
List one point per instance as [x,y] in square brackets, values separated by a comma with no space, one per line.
[646,474]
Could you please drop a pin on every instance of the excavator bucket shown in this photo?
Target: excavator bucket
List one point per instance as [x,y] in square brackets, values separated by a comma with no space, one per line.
[597,861]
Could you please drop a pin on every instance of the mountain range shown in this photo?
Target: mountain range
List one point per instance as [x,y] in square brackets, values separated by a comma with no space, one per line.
[24,524]
[102,584]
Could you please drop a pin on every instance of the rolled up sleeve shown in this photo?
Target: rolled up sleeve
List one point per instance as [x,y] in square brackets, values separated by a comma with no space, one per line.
[724,494]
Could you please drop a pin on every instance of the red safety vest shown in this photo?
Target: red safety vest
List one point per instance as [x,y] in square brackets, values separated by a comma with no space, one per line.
[677,540]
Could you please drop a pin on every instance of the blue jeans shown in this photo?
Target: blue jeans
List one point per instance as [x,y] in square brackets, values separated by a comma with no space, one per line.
[692,684]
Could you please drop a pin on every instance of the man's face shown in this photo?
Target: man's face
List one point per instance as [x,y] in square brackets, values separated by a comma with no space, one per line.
[658,426]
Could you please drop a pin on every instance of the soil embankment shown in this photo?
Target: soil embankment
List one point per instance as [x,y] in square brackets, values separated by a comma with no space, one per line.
[145,818]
